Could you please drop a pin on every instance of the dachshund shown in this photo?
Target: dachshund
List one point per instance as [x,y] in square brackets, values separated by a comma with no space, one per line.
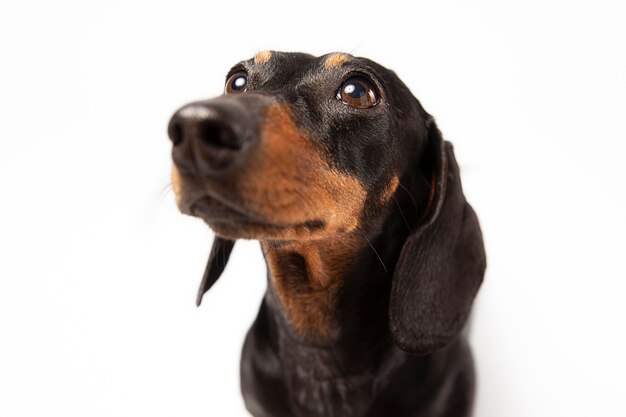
[374,256]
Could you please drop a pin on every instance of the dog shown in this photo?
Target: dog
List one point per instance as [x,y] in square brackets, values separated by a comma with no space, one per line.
[374,256]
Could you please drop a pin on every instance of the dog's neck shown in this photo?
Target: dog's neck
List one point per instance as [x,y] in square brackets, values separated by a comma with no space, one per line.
[328,303]
[320,329]
[306,277]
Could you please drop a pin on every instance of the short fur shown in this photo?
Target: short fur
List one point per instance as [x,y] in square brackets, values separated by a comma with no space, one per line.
[374,256]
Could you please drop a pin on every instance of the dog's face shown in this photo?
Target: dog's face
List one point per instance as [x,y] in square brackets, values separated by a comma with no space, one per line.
[298,147]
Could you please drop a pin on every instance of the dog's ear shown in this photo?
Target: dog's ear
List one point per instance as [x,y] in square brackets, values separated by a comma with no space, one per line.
[218,258]
[442,262]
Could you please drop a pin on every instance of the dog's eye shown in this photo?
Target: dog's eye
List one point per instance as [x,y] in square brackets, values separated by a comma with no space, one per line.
[357,92]
[237,83]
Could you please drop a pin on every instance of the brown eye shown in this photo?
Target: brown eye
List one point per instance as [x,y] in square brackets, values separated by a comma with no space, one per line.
[237,83]
[357,92]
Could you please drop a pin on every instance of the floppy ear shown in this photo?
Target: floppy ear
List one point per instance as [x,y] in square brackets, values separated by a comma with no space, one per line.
[218,258]
[441,264]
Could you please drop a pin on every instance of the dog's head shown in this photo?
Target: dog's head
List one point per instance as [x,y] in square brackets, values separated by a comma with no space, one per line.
[307,148]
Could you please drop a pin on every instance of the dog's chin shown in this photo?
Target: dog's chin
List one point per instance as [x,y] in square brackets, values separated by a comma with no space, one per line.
[246,229]
[249,230]
[233,223]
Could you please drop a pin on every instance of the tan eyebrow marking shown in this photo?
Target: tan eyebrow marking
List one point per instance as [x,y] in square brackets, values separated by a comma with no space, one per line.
[262,57]
[334,60]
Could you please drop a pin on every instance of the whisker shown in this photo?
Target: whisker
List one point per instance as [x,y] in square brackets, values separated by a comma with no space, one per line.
[265,254]
[410,195]
[372,246]
[402,214]
[364,40]
[163,192]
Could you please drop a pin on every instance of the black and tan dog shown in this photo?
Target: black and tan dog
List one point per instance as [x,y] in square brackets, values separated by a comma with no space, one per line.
[374,257]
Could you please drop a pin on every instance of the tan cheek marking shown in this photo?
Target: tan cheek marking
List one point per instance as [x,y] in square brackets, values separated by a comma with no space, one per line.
[390,189]
[262,57]
[291,183]
[335,60]
[343,198]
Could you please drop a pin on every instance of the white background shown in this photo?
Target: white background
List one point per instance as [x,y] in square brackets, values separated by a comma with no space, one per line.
[98,270]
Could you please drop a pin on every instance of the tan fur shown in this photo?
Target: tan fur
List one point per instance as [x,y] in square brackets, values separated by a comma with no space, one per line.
[176,184]
[186,189]
[390,189]
[309,295]
[290,183]
[262,57]
[335,60]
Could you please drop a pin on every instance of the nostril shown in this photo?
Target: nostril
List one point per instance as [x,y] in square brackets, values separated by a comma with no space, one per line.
[175,132]
[216,134]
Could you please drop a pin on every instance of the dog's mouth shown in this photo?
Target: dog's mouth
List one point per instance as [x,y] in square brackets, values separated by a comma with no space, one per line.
[231,221]
[212,210]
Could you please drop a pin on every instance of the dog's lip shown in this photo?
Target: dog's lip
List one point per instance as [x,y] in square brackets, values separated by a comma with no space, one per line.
[215,211]
[212,209]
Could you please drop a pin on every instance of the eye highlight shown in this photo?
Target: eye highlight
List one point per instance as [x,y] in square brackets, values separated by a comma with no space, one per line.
[357,92]
[237,83]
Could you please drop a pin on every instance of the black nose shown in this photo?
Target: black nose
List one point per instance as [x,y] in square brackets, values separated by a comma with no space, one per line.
[197,123]
[208,136]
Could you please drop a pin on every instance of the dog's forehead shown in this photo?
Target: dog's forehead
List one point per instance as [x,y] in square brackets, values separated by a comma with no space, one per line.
[291,67]
[295,59]
[301,60]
